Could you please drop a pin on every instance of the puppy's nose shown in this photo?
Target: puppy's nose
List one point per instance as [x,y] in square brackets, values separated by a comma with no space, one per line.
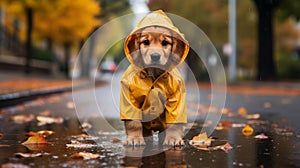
[155,56]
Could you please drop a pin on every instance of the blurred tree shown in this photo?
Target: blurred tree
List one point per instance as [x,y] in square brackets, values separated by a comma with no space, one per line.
[25,7]
[212,18]
[74,20]
[60,21]
[265,64]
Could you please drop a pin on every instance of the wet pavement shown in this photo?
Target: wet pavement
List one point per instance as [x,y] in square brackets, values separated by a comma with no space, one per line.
[275,115]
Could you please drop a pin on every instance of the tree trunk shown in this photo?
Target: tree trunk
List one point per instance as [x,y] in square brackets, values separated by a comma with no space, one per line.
[67,48]
[29,17]
[265,65]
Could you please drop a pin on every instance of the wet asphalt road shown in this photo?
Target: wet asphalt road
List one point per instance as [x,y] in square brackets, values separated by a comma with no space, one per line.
[279,120]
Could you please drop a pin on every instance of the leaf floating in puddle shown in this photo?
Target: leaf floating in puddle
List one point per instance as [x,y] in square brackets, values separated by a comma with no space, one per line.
[86,126]
[44,133]
[4,145]
[42,120]
[14,165]
[82,137]
[21,119]
[252,116]
[247,130]
[85,155]
[35,139]
[77,144]
[29,155]
[261,136]
[201,140]
[115,140]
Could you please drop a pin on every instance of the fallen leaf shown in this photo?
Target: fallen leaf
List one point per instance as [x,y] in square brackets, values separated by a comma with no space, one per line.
[45,113]
[85,155]
[252,116]
[261,136]
[70,105]
[42,120]
[21,119]
[86,126]
[226,123]
[35,139]
[4,145]
[201,140]
[267,105]
[77,144]
[14,165]
[247,130]
[226,147]
[1,135]
[29,155]
[242,111]
[238,125]
[36,147]
[82,137]
[45,133]
[115,140]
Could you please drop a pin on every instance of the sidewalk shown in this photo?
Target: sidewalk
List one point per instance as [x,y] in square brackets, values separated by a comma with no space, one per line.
[18,86]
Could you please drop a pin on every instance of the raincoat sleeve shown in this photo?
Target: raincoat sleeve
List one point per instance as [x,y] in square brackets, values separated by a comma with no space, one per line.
[176,102]
[128,111]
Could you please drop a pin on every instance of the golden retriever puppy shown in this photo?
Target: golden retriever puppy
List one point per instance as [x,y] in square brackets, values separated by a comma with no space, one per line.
[152,89]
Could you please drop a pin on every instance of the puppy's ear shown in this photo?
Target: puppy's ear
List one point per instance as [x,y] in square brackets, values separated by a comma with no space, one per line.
[178,50]
[133,45]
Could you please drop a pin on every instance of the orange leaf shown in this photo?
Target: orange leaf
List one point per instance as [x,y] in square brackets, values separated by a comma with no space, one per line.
[242,111]
[35,139]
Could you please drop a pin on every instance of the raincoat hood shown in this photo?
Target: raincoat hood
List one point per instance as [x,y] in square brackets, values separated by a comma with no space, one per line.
[156,18]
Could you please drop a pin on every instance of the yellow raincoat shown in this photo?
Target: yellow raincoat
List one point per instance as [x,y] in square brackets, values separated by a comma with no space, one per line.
[154,102]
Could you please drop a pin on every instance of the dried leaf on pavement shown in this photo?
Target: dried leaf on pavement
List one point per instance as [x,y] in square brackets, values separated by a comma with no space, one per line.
[85,155]
[29,155]
[42,120]
[21,119]
[261,136]
[35,139]
[70,105]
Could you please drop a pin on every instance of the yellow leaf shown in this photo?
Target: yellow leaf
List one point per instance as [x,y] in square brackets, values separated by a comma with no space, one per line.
[35,139]
[201,140]
[247,130]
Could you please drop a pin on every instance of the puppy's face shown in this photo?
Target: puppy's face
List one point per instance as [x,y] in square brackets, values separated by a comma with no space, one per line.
[156,46]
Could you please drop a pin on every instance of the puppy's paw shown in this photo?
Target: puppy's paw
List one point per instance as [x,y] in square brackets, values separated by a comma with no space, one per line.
[134,131]
[134,141]
[173,141]
[174,135]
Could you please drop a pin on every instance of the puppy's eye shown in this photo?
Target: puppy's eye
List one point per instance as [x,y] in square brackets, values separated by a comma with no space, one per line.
[146,42]
[164,43]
